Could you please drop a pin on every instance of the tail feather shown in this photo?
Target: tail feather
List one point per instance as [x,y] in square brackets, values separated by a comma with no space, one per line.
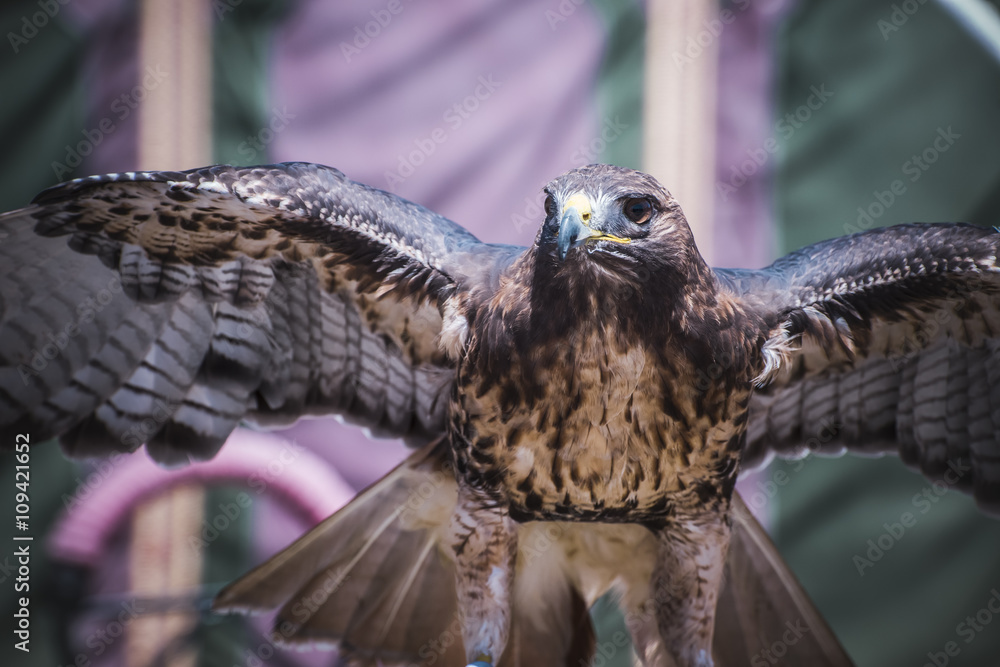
[371,580]
[376,582]
[388,606]
[305,563]
[762,603]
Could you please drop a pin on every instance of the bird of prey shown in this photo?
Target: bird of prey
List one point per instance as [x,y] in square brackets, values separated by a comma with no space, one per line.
[583,407]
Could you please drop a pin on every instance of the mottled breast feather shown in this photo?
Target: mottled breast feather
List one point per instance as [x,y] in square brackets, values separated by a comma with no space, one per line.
[582,391]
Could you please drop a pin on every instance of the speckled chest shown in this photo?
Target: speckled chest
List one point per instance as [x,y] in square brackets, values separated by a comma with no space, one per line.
[594,429]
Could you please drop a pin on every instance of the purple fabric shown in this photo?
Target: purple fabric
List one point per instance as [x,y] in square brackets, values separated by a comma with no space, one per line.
[744,225]
[110,69]
[364,115]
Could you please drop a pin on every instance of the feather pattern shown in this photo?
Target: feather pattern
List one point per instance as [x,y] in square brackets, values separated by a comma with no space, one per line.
[896,336]
[164,307]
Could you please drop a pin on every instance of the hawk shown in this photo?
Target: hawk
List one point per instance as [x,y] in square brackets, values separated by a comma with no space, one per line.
[583,407]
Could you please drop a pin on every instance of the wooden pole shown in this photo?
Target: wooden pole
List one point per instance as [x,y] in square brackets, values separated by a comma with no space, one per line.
[174,106]
[175,129]
[682,53]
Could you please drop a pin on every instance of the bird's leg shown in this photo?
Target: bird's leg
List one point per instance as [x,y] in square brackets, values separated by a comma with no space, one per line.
[685,585]
[484,539]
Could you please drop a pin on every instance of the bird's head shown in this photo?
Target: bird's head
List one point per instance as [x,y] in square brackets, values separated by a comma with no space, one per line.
[608,220]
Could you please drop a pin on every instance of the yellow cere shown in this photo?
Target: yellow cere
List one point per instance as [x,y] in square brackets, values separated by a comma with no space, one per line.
[581,203]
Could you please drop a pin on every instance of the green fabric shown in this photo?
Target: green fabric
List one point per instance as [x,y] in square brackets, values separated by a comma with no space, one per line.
[41,117]
[226,539]
[620,80]
[241,54]
[43,112]
[893,90]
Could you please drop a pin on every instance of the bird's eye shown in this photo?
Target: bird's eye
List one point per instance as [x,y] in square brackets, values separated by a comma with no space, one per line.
[550,206]
[638,210]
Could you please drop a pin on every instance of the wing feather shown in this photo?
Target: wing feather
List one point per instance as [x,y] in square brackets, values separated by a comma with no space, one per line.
[165,307]
[891,339]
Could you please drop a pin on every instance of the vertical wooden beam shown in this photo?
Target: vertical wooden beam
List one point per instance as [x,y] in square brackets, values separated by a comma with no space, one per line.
[175,68]
[682,52]
[164,565]
[174,133]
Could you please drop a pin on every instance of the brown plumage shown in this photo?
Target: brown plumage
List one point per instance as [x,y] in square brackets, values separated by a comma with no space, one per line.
[587,400]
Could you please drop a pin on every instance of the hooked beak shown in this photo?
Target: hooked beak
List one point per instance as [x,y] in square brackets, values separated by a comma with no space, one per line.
[573,228]
[572,232]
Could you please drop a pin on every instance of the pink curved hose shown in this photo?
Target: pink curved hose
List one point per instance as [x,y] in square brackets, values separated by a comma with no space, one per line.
[260,462]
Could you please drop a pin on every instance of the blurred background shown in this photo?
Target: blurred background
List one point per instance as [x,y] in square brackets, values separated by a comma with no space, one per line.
[776,123]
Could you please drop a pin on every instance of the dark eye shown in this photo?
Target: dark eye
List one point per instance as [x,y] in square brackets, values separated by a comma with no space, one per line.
[550,206]
[638,211]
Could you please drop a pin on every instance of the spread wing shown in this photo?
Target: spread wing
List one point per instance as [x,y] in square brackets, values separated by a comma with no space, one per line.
[884,341]
[165,307]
